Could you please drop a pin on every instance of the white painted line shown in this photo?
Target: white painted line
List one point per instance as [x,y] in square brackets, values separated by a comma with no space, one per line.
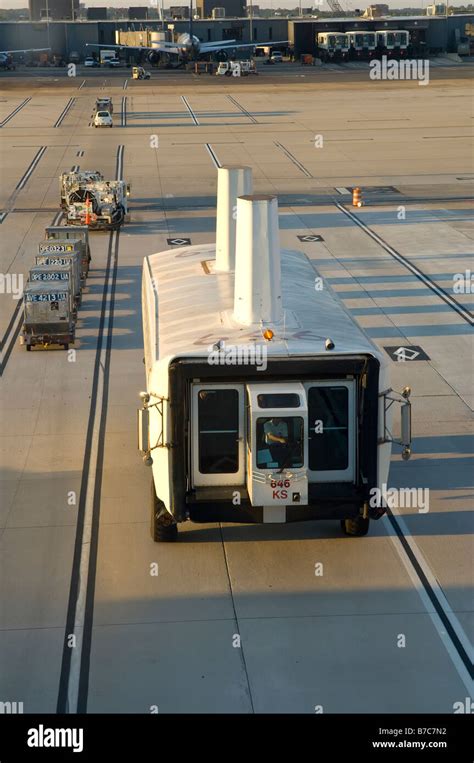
[213,155]
[343,190]
[31,169]
[8,339]
[460,309]
[438,593]
[15,111]
[80,609]
[64,112]
[82,84]
[124,112]
[119,166]
[125,84]
[191,112]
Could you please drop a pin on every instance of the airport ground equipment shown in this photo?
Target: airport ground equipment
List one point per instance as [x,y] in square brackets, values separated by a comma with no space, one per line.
[104,104]
[265,401]
[236,68]
[62,251]
[76,233]
[69,180]
[48,318]
[138,72]
[103,202]
[59,275]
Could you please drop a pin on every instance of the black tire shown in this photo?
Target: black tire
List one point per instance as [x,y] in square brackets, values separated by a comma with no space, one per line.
[356,527]
[163,528]
[66,346]
[28,347]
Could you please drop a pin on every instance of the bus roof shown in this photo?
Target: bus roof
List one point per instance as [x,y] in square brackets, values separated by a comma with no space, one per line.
[193,308]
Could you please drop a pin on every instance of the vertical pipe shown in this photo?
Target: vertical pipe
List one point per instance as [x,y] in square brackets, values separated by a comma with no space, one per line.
[232,181]
[257,291]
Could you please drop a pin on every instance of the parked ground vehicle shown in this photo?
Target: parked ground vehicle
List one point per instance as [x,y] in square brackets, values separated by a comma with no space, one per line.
[392,42]
[76,234]
[277,57]
[106,56]
[65,254]
[101,205]
[48,318]
[362,45]
[103,119]
[91,62]
[138,72]
[252,412]
[236,68]
[332,46]
[60,275]
[69,180]
[104,103]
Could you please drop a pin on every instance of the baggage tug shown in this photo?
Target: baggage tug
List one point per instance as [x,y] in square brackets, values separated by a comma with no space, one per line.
[265,401]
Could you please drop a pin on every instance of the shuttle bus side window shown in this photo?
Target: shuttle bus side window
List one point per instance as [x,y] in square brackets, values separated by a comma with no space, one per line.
[328,413]
[218,422]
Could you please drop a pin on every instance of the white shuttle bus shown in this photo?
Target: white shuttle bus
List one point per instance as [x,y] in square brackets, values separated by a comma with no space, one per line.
[264,401]
[333,46]
[393,41]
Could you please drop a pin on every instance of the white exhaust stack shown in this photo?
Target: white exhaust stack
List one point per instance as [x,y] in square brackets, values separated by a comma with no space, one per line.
[257,295]
[232,181]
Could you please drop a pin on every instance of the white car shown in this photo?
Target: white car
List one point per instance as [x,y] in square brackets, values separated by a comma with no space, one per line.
[277,57]
[103,119]
[90,62]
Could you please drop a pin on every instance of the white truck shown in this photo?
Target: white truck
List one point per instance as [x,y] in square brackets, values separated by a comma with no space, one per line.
[236,68]
[264,400]
[106,56]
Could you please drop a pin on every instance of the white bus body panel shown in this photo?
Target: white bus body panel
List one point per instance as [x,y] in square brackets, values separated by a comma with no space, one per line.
[188,308]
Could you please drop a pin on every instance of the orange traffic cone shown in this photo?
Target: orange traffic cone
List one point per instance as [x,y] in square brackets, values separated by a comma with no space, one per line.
[88,211]
[356,197]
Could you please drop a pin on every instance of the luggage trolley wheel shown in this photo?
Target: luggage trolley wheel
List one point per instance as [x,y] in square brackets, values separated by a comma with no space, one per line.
[162,527]
[356,526]
[28,347]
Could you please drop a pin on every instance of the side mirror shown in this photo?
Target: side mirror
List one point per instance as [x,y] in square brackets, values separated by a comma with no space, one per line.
[143,429]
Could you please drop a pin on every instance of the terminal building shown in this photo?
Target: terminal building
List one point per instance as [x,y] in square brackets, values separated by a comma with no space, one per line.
[428,34]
